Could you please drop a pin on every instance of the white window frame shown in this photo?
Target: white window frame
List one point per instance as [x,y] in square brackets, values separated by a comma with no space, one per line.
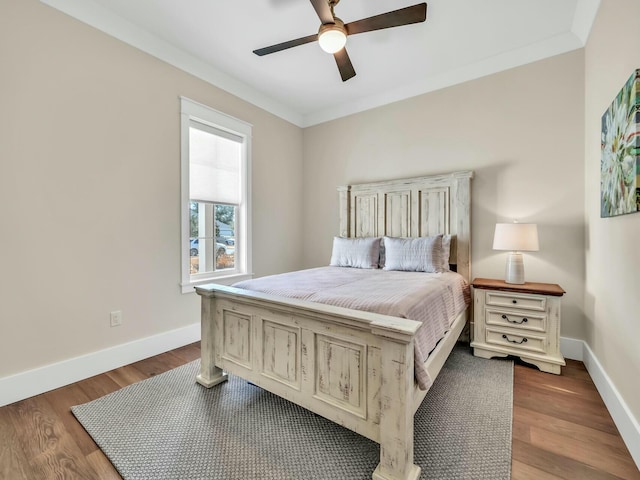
[191,111]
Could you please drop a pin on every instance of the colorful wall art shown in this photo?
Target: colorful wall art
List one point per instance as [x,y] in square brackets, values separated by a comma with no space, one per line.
[620,152]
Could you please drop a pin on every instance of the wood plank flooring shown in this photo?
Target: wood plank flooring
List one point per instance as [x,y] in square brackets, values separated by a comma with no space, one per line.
[561,428]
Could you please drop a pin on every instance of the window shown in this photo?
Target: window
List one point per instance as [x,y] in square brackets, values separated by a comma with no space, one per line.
[215,158]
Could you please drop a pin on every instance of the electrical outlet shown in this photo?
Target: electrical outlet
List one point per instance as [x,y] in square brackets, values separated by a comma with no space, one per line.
[116,318]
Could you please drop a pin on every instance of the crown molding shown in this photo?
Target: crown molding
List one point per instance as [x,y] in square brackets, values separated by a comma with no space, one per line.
[106,21]
[583,18]
[514,58]
[98,17]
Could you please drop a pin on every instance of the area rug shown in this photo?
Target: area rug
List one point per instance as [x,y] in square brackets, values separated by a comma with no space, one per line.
[168,428]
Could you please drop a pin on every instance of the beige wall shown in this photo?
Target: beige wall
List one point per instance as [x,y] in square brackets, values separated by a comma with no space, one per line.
[612,297]
[522,133]
[90,188]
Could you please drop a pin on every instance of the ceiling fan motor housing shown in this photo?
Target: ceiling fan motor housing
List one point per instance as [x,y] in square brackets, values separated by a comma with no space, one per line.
[337,25]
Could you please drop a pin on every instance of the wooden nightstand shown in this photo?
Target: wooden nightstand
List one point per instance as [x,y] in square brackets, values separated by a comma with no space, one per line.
[521,320]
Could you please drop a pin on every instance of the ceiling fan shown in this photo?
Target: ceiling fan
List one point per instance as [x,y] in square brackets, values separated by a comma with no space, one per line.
[333,32]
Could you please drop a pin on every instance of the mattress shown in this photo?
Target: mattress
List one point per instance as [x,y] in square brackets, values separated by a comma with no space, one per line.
[434,299]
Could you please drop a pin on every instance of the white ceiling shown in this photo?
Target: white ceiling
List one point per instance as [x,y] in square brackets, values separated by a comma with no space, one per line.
[460,40]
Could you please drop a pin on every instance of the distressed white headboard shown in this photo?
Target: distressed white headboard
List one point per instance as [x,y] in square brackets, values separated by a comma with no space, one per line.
[412,207]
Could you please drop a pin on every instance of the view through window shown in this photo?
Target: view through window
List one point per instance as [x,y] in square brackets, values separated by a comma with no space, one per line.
[211,238]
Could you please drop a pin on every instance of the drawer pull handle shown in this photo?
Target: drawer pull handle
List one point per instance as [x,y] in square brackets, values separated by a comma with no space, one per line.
[524,320]
[524,340]
[514,301]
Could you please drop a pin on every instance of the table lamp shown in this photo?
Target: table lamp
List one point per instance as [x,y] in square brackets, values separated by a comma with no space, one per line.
[515,237]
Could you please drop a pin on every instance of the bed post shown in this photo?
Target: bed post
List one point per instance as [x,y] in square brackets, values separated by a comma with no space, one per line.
[396,419]
[344,200]
[461,209]
[209,375]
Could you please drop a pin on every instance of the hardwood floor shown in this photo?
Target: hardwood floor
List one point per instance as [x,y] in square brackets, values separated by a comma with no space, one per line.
[561,428]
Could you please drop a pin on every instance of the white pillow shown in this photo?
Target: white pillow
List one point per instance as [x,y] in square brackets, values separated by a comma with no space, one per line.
[422,254]
[355,252]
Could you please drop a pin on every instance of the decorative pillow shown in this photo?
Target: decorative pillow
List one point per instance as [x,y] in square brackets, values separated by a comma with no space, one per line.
[422,254]
[355,252]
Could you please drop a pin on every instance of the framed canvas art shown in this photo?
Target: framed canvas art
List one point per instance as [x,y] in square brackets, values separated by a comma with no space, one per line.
[620,152]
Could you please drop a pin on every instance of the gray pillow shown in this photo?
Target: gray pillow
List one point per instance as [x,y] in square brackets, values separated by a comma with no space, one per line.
[424,254]
[355,252]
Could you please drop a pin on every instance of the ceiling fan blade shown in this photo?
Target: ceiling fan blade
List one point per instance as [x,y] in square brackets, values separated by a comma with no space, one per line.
[344,64]
[396,18]
[284,45]
[323,10]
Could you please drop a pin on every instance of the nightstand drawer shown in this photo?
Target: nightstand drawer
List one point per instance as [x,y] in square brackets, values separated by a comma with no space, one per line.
[514,318]
[516,300]
[518,341]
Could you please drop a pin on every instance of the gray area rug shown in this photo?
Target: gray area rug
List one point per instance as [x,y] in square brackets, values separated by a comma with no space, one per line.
[168,427]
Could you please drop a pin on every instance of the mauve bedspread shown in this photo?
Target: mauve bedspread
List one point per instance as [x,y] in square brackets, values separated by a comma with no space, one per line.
[435,299]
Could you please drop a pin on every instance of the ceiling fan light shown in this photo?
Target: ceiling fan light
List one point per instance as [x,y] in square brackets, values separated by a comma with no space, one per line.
[332,38]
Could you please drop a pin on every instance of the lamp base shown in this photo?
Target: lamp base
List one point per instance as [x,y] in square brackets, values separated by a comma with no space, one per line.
[514,272]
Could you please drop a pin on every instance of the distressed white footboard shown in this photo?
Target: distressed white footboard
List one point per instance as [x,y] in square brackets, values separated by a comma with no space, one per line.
[354,368]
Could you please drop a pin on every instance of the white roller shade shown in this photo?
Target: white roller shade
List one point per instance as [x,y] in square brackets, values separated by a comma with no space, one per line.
[214,165]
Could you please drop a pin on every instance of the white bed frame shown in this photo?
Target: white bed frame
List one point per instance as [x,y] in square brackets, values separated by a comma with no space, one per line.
[354,368]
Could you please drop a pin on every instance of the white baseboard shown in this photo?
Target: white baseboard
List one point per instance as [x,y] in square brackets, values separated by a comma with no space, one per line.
[627,424]
[39,380]
[572,348]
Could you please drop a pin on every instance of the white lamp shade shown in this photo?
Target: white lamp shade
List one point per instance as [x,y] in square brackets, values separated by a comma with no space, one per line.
[516,237]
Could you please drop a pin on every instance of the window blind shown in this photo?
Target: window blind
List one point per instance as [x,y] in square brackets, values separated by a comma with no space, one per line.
[214,165]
